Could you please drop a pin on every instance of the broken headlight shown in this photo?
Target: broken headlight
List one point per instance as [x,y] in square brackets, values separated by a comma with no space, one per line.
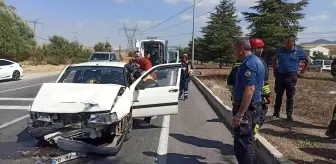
[103,118]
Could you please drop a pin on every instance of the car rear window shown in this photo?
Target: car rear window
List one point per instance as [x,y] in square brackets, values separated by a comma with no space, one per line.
[328,62]
[100,56]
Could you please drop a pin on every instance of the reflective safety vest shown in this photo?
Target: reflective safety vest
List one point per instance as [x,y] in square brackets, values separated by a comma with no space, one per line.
[266,89]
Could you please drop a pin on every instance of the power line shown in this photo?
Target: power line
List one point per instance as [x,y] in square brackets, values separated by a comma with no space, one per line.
[172,16]
[181,34]
[179,23]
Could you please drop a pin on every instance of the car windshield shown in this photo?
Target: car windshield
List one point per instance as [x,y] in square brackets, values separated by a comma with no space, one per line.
[172,57]
[327,62]
[317,62]
[100,56]
[94,75]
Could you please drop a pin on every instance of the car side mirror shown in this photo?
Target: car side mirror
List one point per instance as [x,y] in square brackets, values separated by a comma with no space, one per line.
[140,86]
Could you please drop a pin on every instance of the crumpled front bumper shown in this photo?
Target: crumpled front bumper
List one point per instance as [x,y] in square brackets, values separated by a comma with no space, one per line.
[79,146]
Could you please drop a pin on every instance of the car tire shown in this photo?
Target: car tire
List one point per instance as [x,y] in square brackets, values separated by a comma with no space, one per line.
[16,75]
[129,130]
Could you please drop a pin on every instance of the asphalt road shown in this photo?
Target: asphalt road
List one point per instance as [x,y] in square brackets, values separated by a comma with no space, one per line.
[194,136]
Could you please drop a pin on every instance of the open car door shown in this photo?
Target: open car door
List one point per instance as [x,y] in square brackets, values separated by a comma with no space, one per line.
[157,97]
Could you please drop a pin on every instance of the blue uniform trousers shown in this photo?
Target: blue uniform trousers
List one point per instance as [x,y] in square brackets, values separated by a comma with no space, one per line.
[285,82]
[244,134]
[263,114]
[184,86]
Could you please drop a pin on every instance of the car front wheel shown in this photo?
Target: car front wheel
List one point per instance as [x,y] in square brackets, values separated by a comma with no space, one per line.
[16,75]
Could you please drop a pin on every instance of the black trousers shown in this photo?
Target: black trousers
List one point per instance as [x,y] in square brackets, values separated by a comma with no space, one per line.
[263,113]
[244,134]
[184,83]
[332,125]
[285,82]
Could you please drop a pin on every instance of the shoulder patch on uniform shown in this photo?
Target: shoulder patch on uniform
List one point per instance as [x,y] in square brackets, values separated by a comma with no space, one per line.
[248,73]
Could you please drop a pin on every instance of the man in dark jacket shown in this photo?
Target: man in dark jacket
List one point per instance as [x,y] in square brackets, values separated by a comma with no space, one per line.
[185,76]
[257,48]
[231,80]
[333,68]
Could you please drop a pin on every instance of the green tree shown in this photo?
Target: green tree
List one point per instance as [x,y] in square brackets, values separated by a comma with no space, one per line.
[200,50]
[100,46]
[274,19]
[319,55]
[217,35]
[16,37]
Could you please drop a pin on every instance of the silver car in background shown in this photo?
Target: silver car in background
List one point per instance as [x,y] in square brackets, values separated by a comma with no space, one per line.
[104,57]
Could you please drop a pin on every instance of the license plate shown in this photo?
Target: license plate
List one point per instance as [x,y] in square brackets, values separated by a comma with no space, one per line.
[67,157]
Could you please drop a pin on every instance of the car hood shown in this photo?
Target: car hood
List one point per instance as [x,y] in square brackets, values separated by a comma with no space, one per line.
[75,98]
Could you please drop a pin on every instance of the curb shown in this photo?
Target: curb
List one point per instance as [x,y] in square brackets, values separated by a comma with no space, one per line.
[267,152]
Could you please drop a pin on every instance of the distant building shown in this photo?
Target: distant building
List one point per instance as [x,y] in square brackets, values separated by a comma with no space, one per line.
[310,50]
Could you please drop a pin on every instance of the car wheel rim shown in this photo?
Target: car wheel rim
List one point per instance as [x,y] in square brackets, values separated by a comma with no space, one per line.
[16,75]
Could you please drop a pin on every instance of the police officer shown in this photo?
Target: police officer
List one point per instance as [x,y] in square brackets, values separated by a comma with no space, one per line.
[285,74]
[247,100]
[231,80]
[185,76]
[333,68]
[257,48]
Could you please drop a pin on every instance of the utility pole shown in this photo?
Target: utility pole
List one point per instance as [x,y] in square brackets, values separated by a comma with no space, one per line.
[192,37]
[36,22]
[130,34]
[75,36]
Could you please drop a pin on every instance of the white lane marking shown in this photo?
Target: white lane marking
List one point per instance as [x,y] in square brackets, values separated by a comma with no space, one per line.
[13,121]
[163,142]
[15,99]
[20,88]
[10,107]
[14,89]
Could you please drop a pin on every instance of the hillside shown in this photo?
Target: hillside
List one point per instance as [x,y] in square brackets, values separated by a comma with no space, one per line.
[320,41]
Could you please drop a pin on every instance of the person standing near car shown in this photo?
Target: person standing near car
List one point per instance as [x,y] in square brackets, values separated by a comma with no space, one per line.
[186,71]
[144,65]
[247,100]
[231,79]
[287,58]
[258,48]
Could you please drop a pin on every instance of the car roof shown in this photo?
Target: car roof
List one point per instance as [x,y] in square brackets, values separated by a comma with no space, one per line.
[7,60]
[108,64]
[103,52]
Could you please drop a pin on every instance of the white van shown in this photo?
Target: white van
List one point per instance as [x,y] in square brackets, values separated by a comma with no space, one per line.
[324,64]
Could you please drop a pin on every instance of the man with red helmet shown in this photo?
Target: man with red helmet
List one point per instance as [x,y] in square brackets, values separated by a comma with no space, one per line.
[257,48]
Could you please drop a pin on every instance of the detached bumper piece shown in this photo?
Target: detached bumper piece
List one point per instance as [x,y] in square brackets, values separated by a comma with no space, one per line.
[65,142]
[79,146]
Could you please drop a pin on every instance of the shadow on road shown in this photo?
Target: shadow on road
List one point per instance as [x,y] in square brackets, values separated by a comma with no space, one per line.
[226,149]
[7,81]
[316,161]
[321,152]
[176,158]
[296,136]
[283,123]
[215,120]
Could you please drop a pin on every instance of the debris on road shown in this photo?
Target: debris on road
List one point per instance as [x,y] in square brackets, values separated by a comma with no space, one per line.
[67,157]
[332,92]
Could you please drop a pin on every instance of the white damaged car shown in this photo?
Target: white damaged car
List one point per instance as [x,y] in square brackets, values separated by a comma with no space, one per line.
[96,101]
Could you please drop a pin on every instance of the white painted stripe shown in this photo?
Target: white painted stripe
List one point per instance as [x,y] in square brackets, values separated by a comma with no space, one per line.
[163,142]
[28,86]
[14,89]
[15,99]
[13,121]
[10,107]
